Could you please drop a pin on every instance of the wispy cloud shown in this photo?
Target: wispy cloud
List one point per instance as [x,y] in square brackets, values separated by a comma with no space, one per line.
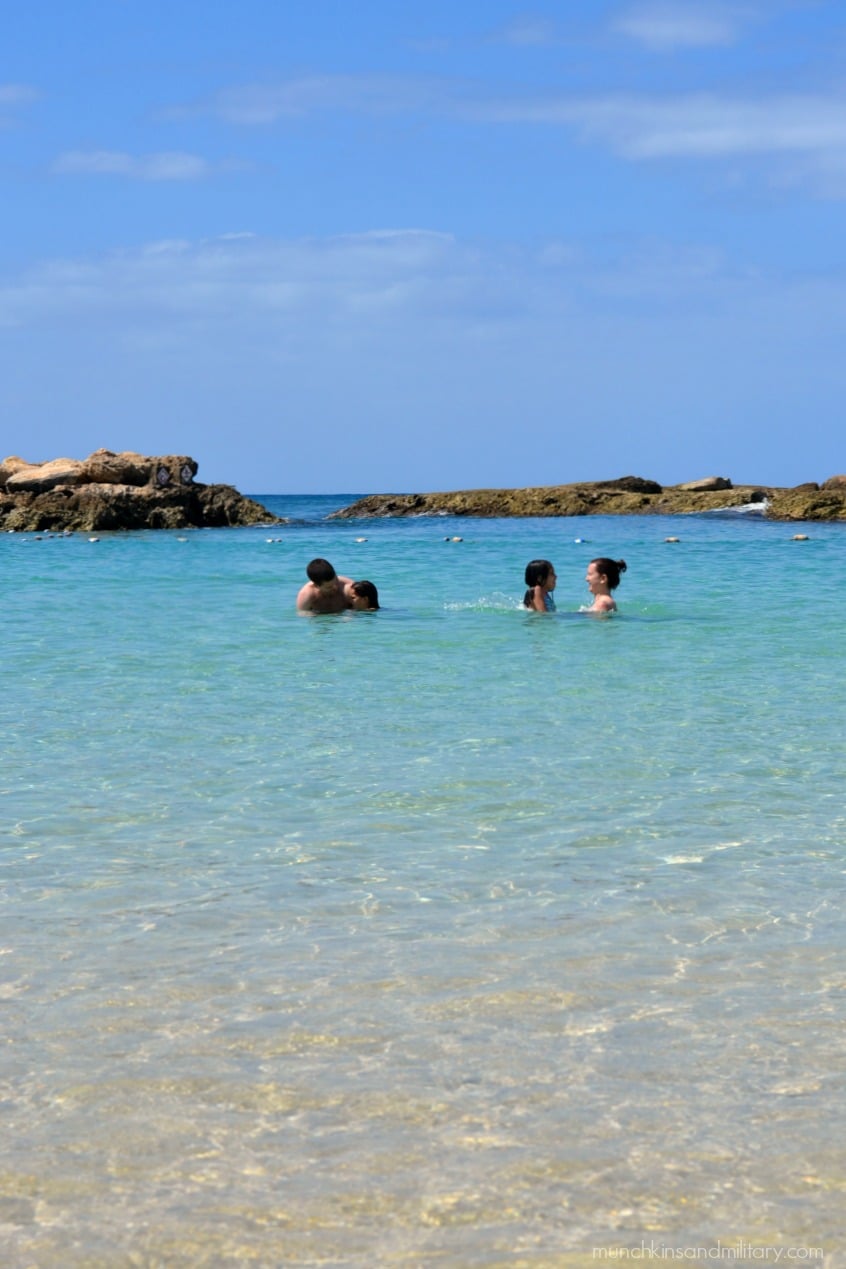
[433,330]
[666,27]
[527,31]
[293,98]
[800,136]
[12,98]
[16,94]
[696,126]
[165,166]
[240,273]
[635,126]
[705,126]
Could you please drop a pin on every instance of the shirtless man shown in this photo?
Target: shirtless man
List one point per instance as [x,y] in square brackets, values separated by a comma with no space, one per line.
[324,591]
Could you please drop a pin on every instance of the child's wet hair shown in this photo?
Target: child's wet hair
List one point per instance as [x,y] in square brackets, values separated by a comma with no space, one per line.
[537,571]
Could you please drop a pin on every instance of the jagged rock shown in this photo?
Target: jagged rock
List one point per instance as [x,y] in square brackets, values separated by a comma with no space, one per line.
[631,484]
[41,477]
[588,498]
[793,504]
[222,505]
[708,484]
[605,498]
[10,466]
[104,467]
[119,491]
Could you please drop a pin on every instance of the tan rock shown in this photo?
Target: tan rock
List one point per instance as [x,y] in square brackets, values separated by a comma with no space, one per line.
[132,492]
[41,477]
[835,482]
[708,484]
[104,467]
[10,466]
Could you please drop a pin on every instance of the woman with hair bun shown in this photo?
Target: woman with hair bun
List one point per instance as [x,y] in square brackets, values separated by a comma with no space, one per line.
[603,576]
[363,596]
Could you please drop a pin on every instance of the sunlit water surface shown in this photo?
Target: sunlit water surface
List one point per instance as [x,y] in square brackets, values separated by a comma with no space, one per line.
[450,934]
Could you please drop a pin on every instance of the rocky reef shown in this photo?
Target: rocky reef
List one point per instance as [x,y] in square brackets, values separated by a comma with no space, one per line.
[627,495]
[118,491]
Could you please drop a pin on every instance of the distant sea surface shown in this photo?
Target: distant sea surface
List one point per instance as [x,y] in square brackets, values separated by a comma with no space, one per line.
[450,934]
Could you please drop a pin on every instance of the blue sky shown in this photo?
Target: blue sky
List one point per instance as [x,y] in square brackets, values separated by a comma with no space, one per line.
[372,246]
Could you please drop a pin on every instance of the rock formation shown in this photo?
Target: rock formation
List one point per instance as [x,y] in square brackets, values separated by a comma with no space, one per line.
[118,491]
[627,495]
[706,485]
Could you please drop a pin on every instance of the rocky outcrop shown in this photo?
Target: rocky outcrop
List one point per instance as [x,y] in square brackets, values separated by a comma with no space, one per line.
[706,485]
[118,491]
[808,504]
[628,495]
[42,477]
[630,484]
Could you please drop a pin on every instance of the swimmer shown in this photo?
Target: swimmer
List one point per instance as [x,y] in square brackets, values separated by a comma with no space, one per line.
[603,576]
[540,580]
[362,596]
[324,591]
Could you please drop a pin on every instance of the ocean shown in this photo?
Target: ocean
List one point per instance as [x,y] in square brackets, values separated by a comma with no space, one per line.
[445,935]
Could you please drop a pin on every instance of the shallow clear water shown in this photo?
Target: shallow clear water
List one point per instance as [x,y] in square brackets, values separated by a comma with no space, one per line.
[449,934]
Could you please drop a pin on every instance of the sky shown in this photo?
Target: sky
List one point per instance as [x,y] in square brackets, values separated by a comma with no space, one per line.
[323,246]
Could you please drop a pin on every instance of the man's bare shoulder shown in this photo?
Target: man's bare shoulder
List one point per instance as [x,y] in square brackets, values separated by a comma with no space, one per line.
[306,597]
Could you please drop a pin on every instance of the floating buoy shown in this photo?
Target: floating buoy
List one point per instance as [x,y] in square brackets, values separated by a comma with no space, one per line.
[93,539]
[672,539]
[361,539]
[800,537]
[458,539]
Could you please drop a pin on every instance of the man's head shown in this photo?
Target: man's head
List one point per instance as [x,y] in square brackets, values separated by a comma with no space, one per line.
[320,572]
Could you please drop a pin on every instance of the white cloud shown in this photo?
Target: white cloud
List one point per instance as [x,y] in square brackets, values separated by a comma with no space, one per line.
[666,27]
[165,166]
[702,126]
[638,127]
[706,126]
[368,94]
[241,275]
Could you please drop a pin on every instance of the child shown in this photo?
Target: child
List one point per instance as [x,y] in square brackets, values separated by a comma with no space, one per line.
[540,579]
[603,576]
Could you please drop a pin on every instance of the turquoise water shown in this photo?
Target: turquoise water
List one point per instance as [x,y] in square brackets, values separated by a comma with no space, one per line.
[445,935]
